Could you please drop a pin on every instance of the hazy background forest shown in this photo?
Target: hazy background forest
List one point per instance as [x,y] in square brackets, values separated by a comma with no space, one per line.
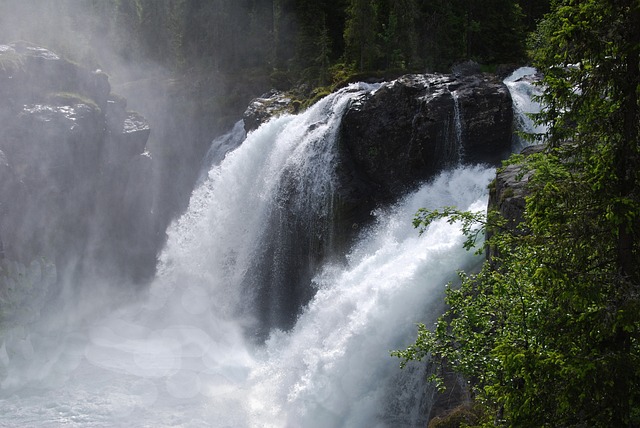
[236,49]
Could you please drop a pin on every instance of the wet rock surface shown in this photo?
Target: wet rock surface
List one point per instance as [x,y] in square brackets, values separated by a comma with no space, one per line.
[414,127]
[418,125]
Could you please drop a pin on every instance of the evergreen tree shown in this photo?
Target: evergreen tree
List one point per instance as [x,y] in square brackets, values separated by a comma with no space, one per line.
[399,36]
[441,30]
[153,29]
[360,34]
[549,331]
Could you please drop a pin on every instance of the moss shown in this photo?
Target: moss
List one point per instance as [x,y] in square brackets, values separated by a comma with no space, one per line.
[506,194]
[316,95]
[296,105]
[488,68]
[461,416]
[11,61]
[71,98]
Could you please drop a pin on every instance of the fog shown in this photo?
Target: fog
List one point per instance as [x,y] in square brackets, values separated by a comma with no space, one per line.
[131,292]
[88,33]
[81,233]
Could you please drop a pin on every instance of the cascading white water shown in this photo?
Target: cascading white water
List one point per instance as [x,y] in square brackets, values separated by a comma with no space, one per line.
[333,368]
[458,126]
[523,93]
[219,149]
[179,356]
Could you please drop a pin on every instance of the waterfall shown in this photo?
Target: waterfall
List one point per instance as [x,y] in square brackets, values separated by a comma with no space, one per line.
[219,148]
[458,126]
[333,368]
[523,93]
[183,354]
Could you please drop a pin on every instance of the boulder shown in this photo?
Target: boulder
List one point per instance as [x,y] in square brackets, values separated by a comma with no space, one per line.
[417,125]
[128,138]
[411,129]
[28,71]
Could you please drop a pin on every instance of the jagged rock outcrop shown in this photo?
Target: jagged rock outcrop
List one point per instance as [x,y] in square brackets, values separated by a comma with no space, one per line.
[29,72]
[508,192]
[265,107]
[412,128]
[417,125]
[127,131]
[71,165]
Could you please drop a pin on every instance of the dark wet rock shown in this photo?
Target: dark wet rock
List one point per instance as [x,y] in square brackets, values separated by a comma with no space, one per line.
[129,139]
[413,128]
[133,239]
[136,132]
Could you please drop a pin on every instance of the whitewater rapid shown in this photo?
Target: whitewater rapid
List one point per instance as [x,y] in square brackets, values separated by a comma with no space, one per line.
[178,354]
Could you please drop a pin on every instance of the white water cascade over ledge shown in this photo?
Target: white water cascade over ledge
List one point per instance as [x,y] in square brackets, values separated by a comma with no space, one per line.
[179,357]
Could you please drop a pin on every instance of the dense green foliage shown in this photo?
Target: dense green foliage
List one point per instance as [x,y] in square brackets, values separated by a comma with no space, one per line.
[547,333]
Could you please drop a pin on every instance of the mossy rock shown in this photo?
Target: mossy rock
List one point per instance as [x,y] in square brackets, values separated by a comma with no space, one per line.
[70,99]
[461,416]
[10,61]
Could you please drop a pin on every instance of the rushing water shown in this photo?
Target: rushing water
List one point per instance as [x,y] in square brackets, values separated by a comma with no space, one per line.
[457,119]
[523,94]
[179,356]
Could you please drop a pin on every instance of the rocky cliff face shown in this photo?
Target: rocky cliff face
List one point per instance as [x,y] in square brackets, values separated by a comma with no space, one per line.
[405,132]
[72,168]
[417,125]
[413,128]
[508,193]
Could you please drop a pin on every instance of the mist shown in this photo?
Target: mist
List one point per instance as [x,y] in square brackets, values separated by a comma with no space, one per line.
[162,266]
[84,209]
[101,36]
